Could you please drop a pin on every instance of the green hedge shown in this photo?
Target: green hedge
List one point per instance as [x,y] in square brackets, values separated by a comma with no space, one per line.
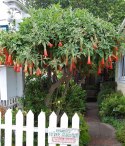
[113,105]
[106,88]
[103,94]
[108,85]
[110,101]
[112,111]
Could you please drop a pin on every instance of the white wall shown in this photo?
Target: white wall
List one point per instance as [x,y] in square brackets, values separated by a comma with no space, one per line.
[11,83]
[3,13]
[3,83]
[20,83]
[18,12]
[120,81]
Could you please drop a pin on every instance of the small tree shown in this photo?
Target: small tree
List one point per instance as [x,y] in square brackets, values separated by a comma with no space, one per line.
[55,39]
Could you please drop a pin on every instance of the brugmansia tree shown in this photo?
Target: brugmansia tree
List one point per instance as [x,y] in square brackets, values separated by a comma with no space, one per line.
[55,39]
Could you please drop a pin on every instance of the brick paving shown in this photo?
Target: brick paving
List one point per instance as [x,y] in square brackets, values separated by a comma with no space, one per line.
[101,134]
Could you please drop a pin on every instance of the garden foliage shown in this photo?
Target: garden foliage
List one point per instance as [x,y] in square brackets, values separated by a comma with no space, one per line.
[36,89]
[113,105]
[59,37]
[112,108]
[106,88]
[112,11]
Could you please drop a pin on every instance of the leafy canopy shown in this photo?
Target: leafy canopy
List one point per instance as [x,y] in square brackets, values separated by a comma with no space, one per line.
[59,37]
[109,10]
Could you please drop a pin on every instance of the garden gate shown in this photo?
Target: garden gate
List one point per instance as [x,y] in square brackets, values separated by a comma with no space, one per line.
[56,135]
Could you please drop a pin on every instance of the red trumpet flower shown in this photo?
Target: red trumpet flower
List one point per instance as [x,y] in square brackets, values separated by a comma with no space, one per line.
[110,66]
[50,45]
[71,69]
[99,71]
[109,59]
[60,44]
[45,53]
[38,71]
[116,48]
[89,61]
[18,68]
[25,68]
[9,60]
[102,61]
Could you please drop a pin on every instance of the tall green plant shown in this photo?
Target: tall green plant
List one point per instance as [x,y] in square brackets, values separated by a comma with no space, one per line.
[113,105]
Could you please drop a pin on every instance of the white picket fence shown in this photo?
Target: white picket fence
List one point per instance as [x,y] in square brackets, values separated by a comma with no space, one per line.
[29,128]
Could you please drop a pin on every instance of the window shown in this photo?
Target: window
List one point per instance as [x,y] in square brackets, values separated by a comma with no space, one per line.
[4,27]
[122,69]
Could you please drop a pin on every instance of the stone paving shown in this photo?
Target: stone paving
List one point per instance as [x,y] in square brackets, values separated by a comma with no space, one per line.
[101,134]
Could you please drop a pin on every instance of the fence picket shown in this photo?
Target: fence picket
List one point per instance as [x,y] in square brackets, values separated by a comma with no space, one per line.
[30,128]
[52,123]
[19,128]
[8,128]
[75,123]
[64,123]
[41,129]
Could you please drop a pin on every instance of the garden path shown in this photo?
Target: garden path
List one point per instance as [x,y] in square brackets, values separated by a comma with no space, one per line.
[101,134]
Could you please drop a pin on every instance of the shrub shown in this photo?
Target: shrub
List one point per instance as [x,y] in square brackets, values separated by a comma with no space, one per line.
[75,99]
[72,102]
[84,135]
[103,94]
[34,95]
[120,134]
[108,85]
[68,100]
[112,109]
[113,105]
[106,88]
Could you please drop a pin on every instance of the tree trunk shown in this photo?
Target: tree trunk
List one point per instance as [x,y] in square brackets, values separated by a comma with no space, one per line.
[65,78]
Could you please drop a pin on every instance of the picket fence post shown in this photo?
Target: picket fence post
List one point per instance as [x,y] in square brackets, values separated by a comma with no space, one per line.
[52,123]
[8,128]
[19,128]
[30,129]
[64,123]
[75,123]
[41,129]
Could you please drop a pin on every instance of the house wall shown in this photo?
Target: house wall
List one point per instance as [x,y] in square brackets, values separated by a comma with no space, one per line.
[11,83]
[18,11]
[121,87]
[120,81]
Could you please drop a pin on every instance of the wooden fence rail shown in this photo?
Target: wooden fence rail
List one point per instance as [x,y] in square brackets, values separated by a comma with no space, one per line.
[10,103]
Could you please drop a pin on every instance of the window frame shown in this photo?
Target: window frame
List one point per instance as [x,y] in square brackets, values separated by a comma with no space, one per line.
[121,69]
